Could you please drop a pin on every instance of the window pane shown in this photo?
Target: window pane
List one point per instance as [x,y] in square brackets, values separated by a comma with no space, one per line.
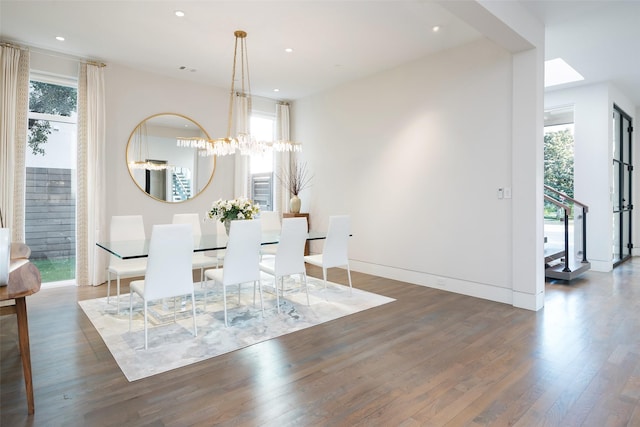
[50,191]
[261,166]
[262,129]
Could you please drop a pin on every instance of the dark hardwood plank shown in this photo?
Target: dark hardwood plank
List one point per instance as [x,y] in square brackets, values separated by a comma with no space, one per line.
[431,358]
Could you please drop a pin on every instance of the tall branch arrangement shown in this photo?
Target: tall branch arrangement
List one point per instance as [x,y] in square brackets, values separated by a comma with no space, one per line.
[296,179]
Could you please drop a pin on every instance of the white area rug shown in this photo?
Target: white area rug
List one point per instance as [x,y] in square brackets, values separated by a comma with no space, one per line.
[172,345]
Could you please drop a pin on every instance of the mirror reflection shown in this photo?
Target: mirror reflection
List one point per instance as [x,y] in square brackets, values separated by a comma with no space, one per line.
[159,167]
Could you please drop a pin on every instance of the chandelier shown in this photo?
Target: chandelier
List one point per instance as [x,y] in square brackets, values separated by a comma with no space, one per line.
[240,103]
[140,151]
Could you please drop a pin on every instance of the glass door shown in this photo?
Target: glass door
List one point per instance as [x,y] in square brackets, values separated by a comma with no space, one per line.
[622,170]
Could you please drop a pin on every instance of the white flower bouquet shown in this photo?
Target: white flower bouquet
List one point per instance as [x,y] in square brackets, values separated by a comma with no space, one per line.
[228,210]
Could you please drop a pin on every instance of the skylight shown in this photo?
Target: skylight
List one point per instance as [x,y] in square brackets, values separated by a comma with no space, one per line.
[557,72]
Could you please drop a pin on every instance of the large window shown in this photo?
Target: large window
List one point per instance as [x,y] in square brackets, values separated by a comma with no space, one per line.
[50,191]
[261,167]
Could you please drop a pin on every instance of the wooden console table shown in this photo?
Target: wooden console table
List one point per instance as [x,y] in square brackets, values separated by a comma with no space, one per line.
[299,215]
[24,280]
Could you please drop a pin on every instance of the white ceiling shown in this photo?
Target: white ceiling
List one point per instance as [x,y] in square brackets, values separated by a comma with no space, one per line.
[600,39]
[333,41]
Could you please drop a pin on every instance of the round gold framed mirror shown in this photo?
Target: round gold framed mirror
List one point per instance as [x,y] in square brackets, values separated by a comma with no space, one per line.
[162,169]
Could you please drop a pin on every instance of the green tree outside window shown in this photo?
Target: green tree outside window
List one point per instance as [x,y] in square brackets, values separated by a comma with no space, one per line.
[558,161]
[48,99]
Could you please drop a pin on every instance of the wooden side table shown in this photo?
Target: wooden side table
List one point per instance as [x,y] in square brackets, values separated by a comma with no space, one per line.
[24,280]
[299,215]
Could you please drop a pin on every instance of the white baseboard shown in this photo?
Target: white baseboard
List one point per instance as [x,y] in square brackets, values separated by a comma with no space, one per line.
[464,287]
[601,266]
[528,301]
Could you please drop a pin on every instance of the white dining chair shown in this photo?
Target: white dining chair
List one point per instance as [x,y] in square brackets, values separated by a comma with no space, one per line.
[241,261]
[270,224]
[336,248]
[200,260]
[289,257]
[169,271]
[125,228]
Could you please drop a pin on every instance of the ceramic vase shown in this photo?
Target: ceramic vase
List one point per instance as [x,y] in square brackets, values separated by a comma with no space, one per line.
[294,204]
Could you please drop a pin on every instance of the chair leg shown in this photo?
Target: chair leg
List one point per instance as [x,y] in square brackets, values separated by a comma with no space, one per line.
[130,309]
[145,325]
[306,287]
[261,300]
[118,294]
[349,276]
[204,306]
[224,302]
[108,285]
[324,277]
[254,293]
[193,312]
[275,282]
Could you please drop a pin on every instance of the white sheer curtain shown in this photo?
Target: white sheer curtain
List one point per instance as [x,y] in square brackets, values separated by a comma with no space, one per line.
[14,108]
[282,161]
[91,226]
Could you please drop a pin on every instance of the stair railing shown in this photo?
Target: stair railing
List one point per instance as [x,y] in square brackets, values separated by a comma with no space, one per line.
[179,187]
[566,208]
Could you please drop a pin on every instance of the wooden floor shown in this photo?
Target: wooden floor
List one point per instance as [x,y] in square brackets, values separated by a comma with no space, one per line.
[431,358]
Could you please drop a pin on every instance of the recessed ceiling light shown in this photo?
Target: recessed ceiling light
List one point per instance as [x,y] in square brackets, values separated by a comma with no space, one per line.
[288,50]
[557,72]
[276,90]
[60,38]
[435,28]
[179,13]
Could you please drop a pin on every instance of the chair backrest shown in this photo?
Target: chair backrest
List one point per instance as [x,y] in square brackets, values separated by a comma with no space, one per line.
[336,246]
[189,218]
[124,228]
[270,220]
[242,257]
[290,253]
[5,255]
[170,261]
[220,228]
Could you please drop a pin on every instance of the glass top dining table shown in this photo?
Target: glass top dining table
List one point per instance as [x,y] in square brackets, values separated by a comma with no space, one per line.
[128,249]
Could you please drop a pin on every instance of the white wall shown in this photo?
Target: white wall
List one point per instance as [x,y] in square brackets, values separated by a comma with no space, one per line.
[593,170]
[415,156]
[133,96]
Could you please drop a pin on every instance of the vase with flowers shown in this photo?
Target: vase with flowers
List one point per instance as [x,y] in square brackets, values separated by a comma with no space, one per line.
[295,180]
[226,211]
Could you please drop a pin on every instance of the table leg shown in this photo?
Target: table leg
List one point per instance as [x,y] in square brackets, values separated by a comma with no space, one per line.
[25,352]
